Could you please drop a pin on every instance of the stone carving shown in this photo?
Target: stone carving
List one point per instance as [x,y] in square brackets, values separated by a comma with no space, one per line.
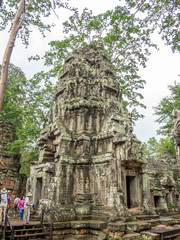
[89,144]
[176,133]
[162,182]
[10,163]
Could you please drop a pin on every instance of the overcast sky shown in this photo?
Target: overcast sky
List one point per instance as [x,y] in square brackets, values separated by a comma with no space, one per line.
[162,68]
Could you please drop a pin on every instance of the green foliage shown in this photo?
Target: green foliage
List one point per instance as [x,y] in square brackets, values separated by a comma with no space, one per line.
[36,13]
[26,104]
[171,204]
[165,108]
[151,147]
[124,39]
[162,16]
[146,238]
[166,146]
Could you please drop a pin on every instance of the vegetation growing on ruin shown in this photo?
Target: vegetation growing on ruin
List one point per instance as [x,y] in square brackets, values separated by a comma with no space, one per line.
[126,34]
[26,104]
[165,119]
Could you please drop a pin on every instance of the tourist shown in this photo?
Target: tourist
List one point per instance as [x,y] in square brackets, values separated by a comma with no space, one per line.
[16,203]
[9,200]
[21,207]
[3,204]
[27,206]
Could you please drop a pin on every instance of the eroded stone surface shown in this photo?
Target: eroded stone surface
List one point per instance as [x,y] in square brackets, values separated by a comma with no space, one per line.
[162,189]
[91,165]
[89,157]
[10,163]
[176,133]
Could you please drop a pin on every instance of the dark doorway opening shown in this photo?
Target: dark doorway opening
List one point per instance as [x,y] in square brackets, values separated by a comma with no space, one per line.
[38,194]
[128,191]
[157,201]
[132,191]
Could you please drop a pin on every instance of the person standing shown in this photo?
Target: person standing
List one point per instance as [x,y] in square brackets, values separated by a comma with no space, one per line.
[3,204]
[9,200]
[27,206]
[21,207]
[16,203]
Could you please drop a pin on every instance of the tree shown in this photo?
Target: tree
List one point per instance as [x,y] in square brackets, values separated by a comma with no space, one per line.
[166,120]
[151,147]
[124,39]
[24,13]
[165,108]
[159,15]
[26,103]
[166,146]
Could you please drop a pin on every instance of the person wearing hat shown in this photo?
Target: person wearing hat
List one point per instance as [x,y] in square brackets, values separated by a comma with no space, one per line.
[27,206]
[3,204]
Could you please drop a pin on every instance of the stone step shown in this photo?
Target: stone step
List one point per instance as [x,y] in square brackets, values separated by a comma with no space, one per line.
[28,229]
[137,226]
[132,236]
[27,235]
[154,222]
[146,217]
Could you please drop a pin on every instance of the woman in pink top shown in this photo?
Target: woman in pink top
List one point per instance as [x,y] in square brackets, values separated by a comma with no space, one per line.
[21,207]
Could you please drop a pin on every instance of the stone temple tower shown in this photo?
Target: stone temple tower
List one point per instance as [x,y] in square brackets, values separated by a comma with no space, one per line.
[90,163]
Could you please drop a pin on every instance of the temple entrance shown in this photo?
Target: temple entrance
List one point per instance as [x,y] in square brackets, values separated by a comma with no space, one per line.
[157,201]
[133,193]
[38,193]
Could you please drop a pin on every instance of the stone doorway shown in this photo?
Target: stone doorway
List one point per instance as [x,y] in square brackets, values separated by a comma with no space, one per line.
[133,192]
[38,192]
[157,201]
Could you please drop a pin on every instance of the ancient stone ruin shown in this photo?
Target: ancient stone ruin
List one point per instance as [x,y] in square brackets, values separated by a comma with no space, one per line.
[176,133]
[91,165]
[10,163]
[163,182]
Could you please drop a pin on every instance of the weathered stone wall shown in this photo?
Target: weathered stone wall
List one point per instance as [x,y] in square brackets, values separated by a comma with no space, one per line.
[163,184]
[162,177]
[176,133]
[9,169]
[90,163]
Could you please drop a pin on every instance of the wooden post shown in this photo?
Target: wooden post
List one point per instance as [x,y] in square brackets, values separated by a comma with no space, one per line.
[12,233]
[51,231]
[42,217]
[5,223]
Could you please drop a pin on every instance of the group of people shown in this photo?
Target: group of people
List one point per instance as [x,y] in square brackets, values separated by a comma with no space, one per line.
[21,206]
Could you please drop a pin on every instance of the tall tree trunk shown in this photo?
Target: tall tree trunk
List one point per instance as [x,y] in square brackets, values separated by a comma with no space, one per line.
[20,14]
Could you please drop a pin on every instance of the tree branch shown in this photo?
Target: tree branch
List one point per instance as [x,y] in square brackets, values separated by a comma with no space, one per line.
[17,24]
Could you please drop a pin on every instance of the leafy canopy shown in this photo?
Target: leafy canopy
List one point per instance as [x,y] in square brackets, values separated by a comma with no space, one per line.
[160,15]
[166,123]
[151,147]
[36,13]
[165,146]
[26,104]
[124,38]
[164,110]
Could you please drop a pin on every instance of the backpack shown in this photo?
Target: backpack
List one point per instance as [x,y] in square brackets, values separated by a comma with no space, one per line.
[2,197]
